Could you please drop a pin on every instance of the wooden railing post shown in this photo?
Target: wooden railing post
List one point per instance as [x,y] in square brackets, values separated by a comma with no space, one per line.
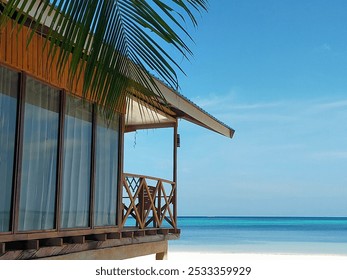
[159,203]
[141,200]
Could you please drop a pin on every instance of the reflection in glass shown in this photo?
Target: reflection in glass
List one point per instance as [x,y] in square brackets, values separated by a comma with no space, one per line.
[76,164]
[8,112]
[106,168]
[39,162]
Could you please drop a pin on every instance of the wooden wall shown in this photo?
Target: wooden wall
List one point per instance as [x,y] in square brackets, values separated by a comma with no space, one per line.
[33,59]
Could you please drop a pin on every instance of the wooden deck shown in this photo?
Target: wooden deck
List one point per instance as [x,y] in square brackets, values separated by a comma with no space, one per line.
[43,248]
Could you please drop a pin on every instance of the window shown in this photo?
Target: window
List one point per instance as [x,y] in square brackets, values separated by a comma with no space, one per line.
[106,173]
[76,163]
[68,162]
[39,160]
[8,113]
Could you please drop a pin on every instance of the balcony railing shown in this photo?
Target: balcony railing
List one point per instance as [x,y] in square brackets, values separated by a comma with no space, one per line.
[148,202]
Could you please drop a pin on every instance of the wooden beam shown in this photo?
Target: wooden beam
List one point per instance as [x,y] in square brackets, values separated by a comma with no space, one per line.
[97,237]
[117,252]
[131,128]
[164,231]
[175,230]
[75,239]
[22,236]
[128,234]
[23,245]
[151,231]
[139,233]
[114,235]
[51,242]
[19,249]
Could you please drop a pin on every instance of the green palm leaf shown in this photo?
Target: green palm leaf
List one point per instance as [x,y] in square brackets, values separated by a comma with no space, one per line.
[115,44]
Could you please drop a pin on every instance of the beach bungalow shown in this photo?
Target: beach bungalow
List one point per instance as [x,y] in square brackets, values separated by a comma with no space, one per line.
[63,191]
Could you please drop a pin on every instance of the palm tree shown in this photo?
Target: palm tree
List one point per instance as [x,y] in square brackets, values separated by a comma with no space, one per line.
[114,44]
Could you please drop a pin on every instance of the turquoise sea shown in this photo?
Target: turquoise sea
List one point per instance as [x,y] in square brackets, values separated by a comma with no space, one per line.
[282,235]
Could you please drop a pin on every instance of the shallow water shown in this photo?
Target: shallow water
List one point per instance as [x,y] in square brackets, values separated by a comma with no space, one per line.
[262,235]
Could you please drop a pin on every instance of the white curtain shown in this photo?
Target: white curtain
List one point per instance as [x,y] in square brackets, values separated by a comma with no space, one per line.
[76,164]
[8,112]
[39,159]
[106,167]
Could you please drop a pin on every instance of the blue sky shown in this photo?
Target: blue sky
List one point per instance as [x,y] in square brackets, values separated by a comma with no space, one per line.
[276,72]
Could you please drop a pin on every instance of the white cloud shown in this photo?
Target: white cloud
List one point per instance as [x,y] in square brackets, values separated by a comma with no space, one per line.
[215,100]
[294,116]
[330,155]
[325,47]
[331,104]
[252,106]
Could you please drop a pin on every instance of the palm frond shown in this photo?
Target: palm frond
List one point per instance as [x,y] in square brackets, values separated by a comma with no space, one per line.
[111,44]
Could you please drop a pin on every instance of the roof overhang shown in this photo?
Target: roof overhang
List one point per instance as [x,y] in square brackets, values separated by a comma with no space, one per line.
[141,115]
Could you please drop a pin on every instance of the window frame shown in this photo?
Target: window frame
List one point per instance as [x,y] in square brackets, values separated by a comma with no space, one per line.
[58,155]
[16,234]
[15,154]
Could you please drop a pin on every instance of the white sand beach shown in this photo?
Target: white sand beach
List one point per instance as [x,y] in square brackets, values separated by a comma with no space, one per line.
[213,256]
[248,256]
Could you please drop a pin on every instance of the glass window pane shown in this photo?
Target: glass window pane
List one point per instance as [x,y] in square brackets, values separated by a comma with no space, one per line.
[39,162]
[76,164]
[8,112]
[106,171]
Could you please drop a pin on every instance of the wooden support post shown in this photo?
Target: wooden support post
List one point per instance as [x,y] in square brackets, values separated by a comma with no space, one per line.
[174,176]
[2,248]
[175,171]
[120,171]
[163,254]
[32,244]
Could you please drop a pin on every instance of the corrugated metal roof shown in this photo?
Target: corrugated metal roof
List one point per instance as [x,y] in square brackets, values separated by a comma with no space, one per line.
[192,112]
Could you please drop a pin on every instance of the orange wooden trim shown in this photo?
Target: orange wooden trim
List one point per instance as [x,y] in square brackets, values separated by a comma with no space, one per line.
[34,59]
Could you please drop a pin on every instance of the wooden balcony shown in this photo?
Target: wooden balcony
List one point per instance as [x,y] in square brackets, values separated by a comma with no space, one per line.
[148,216]
[148,202]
